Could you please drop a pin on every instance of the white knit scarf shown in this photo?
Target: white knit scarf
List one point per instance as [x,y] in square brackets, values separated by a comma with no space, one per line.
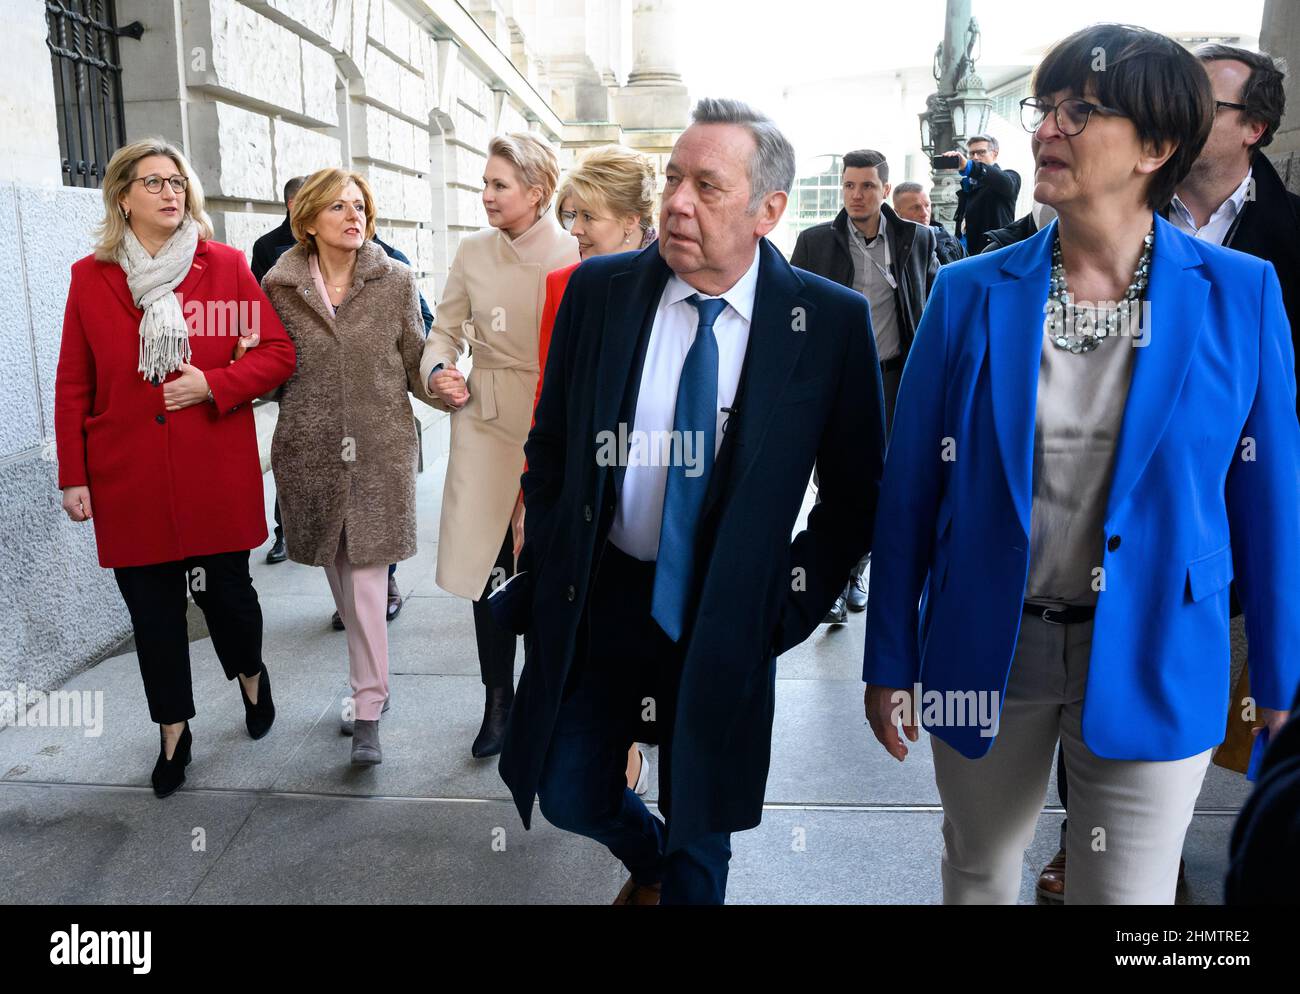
[164,336]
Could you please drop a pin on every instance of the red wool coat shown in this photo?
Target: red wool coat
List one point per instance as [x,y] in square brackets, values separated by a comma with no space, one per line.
[166,485]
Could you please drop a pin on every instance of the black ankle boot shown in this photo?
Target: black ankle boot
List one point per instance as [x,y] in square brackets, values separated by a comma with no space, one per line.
[496,712]
[169,774]
[259,717]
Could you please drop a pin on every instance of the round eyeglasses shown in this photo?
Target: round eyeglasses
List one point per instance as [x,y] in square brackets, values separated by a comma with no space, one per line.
[154,184]
[1071,114]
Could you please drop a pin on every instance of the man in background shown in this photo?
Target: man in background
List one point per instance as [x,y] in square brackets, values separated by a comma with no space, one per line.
[890,261]
[987,198]
[912,203]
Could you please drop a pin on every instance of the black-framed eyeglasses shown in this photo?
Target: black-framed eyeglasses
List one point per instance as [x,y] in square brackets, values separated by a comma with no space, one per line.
[1071,114]
[154,184]
[1228,103]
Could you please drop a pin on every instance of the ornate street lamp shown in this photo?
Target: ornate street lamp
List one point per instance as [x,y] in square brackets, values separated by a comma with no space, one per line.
[961,106]
[970,107]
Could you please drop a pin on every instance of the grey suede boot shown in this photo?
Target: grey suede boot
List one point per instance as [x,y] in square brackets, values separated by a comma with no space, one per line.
[346,723]
[365,743]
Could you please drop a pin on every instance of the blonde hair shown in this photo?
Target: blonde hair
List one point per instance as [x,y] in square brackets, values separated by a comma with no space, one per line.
[320,190]
[534,161]
[117,180]
[616,179]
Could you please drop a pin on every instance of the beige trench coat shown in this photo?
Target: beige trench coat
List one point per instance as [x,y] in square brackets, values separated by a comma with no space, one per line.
[493,304]
[344,452]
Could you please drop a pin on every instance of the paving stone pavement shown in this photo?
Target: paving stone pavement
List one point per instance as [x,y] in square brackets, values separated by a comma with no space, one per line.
[288,820]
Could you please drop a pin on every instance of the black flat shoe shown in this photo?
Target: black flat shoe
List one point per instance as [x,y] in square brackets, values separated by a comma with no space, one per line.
[169,774]
[259,717]
[336,622]
[496,712]
[277,553]
[839,612]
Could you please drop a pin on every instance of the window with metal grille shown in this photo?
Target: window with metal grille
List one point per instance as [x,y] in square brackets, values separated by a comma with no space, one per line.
[82,39]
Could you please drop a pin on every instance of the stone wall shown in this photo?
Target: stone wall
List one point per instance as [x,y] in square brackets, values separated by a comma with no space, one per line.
[58,609]
[259,92]
[407,92]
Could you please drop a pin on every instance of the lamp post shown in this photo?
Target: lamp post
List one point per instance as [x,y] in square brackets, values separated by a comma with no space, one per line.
[959,109]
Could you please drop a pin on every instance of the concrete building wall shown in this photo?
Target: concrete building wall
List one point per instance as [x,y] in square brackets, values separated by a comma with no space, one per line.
[407,92]
[58,609]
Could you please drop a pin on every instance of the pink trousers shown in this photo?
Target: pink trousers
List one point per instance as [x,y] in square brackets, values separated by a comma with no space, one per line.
[361,596]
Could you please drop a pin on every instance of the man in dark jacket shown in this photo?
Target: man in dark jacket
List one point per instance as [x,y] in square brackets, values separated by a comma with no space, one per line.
[987,198]
[891,262]
[1233,196]
[1019,229]
[1264,854]
[268,249]
[634,610]
[912,203]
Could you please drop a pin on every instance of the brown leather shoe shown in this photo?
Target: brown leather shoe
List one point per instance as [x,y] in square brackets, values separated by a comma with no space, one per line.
[1051,882]
[634,893]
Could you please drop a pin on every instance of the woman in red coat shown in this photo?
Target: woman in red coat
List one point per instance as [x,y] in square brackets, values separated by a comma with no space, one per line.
[608,204]
[155,431]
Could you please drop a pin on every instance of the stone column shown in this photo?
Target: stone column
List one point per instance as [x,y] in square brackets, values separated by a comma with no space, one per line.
[577,91]
[655,98]
[1279,35]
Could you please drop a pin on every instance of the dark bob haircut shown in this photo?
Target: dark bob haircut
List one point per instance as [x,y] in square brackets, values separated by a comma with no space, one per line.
[1152,80]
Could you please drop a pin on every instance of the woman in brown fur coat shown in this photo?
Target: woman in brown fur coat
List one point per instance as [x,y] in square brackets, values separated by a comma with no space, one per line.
[344,452]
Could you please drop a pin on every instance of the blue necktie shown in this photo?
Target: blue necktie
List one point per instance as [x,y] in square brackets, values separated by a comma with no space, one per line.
[695,426]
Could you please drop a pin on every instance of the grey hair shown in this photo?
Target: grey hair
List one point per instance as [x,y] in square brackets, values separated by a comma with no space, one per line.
[772,167]
[993,142]
[908,187]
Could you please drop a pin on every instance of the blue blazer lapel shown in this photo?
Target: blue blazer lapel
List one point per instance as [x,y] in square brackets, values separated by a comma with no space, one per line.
[1177,296]
[1016,310]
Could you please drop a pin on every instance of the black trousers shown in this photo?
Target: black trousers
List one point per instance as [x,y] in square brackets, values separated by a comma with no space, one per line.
[890,379]
[496,645]
[155,596]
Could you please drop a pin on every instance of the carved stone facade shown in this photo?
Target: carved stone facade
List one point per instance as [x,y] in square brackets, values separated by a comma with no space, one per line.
[407,92]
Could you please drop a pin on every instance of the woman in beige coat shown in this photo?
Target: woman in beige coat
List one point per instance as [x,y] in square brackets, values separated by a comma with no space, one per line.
[344,452]
[492,304]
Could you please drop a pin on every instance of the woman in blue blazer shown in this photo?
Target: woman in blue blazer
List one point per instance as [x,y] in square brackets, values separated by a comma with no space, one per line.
[1070,489]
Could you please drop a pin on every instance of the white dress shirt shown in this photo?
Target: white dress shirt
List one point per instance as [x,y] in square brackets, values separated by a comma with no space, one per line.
[641,502]
[1220,223]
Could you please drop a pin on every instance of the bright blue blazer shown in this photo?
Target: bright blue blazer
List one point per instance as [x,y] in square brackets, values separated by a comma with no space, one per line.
[1206,486]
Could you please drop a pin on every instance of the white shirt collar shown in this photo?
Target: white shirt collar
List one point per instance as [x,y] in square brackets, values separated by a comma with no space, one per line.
[1229,209]
[740,296]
